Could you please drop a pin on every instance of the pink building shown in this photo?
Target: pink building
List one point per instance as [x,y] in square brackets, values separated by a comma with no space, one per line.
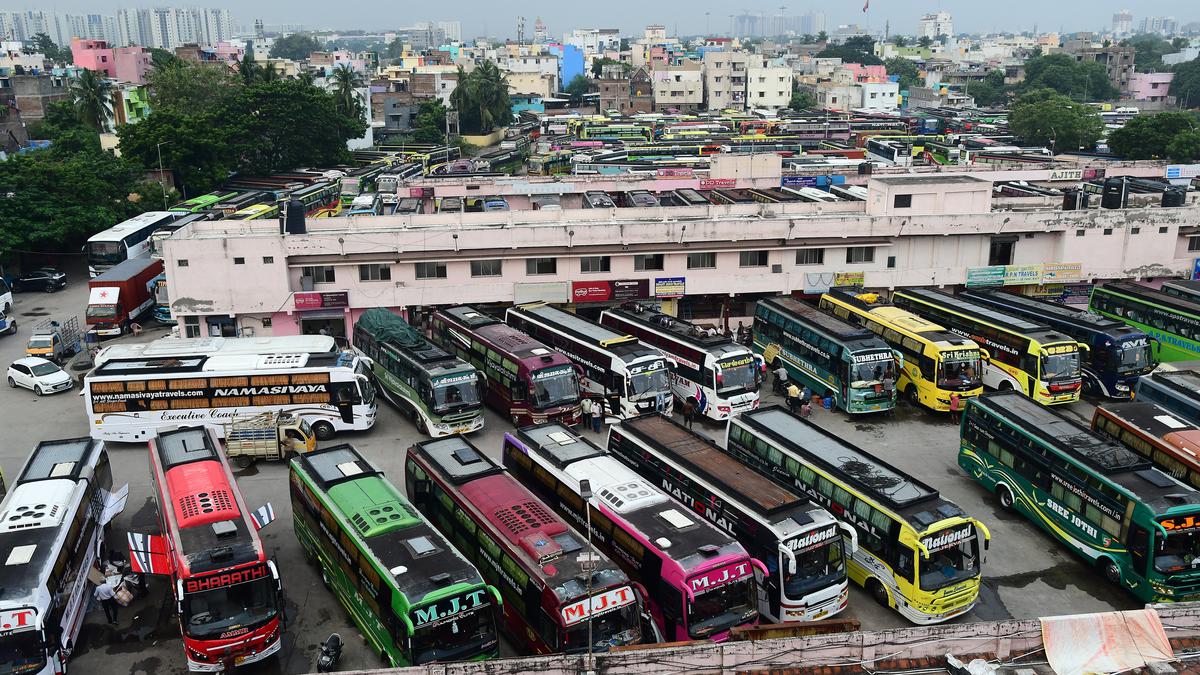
[1150,86]
[124,64]
[862,73]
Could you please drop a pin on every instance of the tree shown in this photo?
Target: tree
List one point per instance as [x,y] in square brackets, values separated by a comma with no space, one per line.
[802,100]
[395,49]
[247,68]
[163,58]
[191,87]
[346,80]
[862,43]
[577,87]
[924,42]
[296,47]
[307,77]
[481,99]
[268,73]
[1045,117]
[91,94]
[1185,87]
[1185,147]
[848,55]
[990,91]
[1147,136]
[431,123]
[1148,51]
[910,74]
[598,66]
[899,40]
[42,44]
[1081,81]
[821,37]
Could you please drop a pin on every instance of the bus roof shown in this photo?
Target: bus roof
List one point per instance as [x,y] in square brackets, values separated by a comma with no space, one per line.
[1151,295]
[683,330]
[1183,382]
[126,269]
[1077,318]
[1187,289]
[898,317]
[504,337]
[394,331]
[824,321]
[999,320]
[576,326]
[163,347]
[122,229]
[219,363]
[1148,417]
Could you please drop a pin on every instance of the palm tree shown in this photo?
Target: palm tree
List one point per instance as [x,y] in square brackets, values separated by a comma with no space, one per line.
[247,69]
[268,73]
[91,95]
[306,77]
[345,81]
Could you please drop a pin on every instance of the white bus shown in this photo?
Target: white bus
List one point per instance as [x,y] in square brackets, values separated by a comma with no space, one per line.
[130,399]
[718,376]
[125,241]
[631,378]
[201,346]
[51,532]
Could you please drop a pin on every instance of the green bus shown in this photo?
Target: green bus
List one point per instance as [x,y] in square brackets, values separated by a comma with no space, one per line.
[439,391]
[415,598]
[1109,505]
[1172,322]
[825,353]
[203,202]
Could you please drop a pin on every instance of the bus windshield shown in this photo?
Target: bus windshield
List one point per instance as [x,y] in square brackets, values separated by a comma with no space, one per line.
[101,311]
[455,396]
[816,569]
[729,605]
[736,374]
[1060,366]
[1179,551]
[366,390]
[22,652]
[866,374]
[648,379]
[554,386]
[1133,357]
[467,633]
[105,252]
[611,629]
[959,368]
[207,614]
[949,565]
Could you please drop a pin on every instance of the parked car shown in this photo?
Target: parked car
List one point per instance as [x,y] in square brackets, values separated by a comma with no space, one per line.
[45,279]
[40,375]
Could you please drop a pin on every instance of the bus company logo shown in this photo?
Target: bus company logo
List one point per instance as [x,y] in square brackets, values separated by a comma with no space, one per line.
[1179,523]
[17,619]
[281,389]
[454,379]
[949,538]
[548,373]
[736,362]
[811,539]
[719,577]
[233,633]
[871,358]
[228,579]
[1075,520]
[1139,343]
[604,602]
[448,607]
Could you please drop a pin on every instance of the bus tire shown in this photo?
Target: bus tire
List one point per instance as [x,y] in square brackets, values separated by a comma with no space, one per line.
[1111,571]
[323,430]
[913,397]
[421,426]
[878,592]
[1005,386]
[1005,497]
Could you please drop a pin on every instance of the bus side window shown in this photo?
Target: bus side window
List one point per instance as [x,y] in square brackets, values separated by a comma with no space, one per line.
[1139,547]
[547,628]
[902,562]
[671,601]
[927,368]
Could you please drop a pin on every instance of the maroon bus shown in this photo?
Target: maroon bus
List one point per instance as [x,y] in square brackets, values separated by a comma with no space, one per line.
[526,380]
[540,565]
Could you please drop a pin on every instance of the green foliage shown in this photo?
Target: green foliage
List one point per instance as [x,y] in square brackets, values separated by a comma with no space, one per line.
[91,94]
[1081,81]
[191,87]
[1185,147]
[296,47]
[860,43]
[924,42]
[268,73]
[163,58]
[1148,136]
[431,122]
[247,67]
[802,100]
[821,37]
[910,74]
[598,66]
[1045,117]
[899,40]
[42,44]
[346,80]
[991,91]
[1149,50]
[848,55]
[577,87]
[1185,87]
[481,99]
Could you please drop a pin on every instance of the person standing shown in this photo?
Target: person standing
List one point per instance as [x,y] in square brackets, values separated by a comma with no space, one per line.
[955,405]
[689,413]
[107,596]
[597,413]
[585,411]
[793,396]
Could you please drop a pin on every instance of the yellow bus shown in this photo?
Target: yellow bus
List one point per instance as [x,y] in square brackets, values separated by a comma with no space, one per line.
[936,363]
[256,211]
[918,552]
[1024,356]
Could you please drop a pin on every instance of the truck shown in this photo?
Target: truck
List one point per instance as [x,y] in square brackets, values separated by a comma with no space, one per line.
[269,436]
[55,340]
[121,296]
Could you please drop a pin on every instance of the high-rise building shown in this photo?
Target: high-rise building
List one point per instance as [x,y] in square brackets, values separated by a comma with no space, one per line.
[935,25]
[1162,25]
[812,23]
[452,30]
[1122,22]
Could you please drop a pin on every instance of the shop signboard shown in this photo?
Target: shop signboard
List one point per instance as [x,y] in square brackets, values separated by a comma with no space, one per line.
[605,291]
[816,283]
[1061,272]
[849,278]
[669,287]
[315,300]
[799,181]
[710,183]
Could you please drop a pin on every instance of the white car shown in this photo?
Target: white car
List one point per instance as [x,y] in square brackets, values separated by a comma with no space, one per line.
[40,375]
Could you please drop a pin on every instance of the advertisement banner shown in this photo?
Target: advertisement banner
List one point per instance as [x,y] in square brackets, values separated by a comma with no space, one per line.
[799,181]
[849,278]
[630,289]
[669,287]
[1020,275]
[1061,272]
[710,183]
[1196,269]
[1176,171]
[604,291]
[1075,294]
[678,171]
[816,283]
[985,276]
[313,300]
[1067,174]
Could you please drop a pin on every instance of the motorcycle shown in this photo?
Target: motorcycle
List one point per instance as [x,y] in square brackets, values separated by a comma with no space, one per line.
[331,653]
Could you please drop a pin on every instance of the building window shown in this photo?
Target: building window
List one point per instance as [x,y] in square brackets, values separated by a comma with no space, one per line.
[268,260]
[1135,230]
[652,262]
[701,261]
[375,272]
[182,262]
[860,254]
[1001,251]
[1080,233]
[1108,231]
[486,268]
[322,274]
[595,263]
[1193,243]
[266,322]
[891,263]
[191,326]
[535,266]
[1163,229]
[902,201]
[810,256]
[239,261]
[431,270]
[752,259]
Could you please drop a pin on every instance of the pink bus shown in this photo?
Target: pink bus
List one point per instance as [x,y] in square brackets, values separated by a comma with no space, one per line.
[700,581]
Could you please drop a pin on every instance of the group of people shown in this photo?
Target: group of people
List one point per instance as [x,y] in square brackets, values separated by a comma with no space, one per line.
[592,412]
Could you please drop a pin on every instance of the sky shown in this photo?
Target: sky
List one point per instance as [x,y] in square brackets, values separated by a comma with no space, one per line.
[498,18]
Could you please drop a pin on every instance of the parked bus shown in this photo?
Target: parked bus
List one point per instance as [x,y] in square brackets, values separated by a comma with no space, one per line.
[1182,288]
[257,211]
[319,199]
[54,520]
[124,241]
[1151,431]
[1024,356]
[629,377]
[238,201]
[368,204]
[525,380]
[227,591]
[700,581]
[132,393]
[826,354]
[935,363]
[798,541]
[540,565]
[1173,322]
[1117,354]
[716,375]
[1134,522]
[917,552]
[415,598]
[440,392]
[204,202]
[1177,391]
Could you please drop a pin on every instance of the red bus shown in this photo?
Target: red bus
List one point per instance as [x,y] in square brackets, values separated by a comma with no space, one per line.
[527,381]
[228,595]
[539,564]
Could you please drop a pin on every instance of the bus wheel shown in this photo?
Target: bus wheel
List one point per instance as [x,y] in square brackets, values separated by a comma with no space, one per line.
[878,592]
[913,397]
[1111,571]
[1005,496]
[421,426]
[1005,386]
[323,430]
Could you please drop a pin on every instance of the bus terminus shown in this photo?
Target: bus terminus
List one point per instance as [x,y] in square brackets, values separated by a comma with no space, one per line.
[718,376]
[917,552]
[631,378]
[1176,391]
[1172,321]
[1117,354]
[936,363]
[798,541]
[1135,523]
[52,532]
[539,564]
[1024,356]
[415,597]
[700,581]
[132,393]
[228,596]
[440,392]
[526,381]
[1158,436]
[826,353]
[125,241]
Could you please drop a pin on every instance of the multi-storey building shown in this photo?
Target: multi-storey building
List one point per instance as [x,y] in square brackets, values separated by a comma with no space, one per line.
[1122,23]
[679,86]
[936,24]
[1118,60]
[725,79]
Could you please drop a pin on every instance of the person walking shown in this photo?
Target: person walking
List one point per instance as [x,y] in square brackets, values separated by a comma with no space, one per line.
[585,411]
[689,413]
[597,414]
[107,596]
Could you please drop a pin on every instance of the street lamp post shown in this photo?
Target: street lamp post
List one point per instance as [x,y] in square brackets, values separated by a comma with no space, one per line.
[161,184]
[585,491]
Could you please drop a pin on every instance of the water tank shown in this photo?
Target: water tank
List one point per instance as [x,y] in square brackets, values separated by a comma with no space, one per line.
[864,169]
[1114,194]
[1173,197]
[1072,199]
[294,218]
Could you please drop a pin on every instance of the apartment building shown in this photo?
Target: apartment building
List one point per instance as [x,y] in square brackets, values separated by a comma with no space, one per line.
[1152,87]
[935,25]
[170,27]
[725,75]
[124,64]
[1118,60]
[33,92]
[679,86]
[768,87]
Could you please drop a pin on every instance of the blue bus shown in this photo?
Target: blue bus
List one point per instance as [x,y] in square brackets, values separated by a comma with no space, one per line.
[1117,355]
